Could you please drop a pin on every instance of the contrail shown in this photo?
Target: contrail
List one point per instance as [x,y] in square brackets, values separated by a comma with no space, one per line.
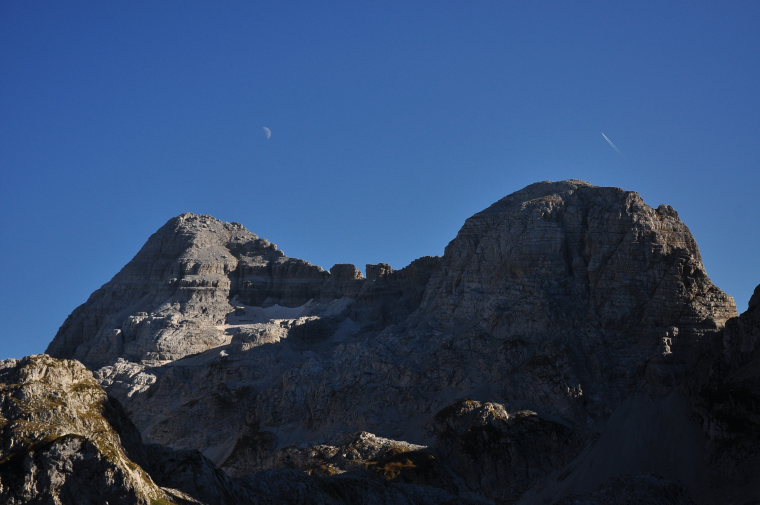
[611,143]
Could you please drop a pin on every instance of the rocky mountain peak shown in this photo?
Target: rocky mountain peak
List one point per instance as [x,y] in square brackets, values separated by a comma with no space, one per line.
[190,283]
[565,301]
[577,252]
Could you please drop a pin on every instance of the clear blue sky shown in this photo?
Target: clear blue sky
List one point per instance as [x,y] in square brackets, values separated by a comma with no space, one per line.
[392,122]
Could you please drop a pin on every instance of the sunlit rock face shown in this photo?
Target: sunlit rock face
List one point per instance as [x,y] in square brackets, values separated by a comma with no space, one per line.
[571,301]
[198,279]
[57,446]
[172,299]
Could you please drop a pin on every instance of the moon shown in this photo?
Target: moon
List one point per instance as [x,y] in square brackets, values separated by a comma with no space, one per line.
[267,132]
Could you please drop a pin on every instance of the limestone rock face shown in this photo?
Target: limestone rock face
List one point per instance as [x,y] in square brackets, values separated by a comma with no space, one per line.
[568,254]
[176,285]
[563,258]
[192,278]
[57,447]
[579,293]
[576,302]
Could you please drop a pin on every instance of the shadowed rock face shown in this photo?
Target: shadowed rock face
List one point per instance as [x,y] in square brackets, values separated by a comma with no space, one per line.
[498,454]
[573,301]
[727,398]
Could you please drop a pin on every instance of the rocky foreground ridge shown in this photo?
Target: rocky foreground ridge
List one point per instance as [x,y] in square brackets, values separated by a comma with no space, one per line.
[568,347]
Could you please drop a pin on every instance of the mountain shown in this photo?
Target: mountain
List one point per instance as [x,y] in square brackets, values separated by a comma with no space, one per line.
[568,345]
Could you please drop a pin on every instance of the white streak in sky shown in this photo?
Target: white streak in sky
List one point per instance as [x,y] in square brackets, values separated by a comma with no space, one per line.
[611,143]
[268,132]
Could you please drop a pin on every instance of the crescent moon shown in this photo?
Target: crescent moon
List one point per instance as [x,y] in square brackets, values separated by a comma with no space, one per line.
[267,132]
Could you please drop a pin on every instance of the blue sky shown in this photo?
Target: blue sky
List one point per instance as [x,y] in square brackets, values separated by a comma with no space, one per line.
[392,122]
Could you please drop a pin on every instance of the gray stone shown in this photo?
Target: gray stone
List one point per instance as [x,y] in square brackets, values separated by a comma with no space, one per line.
[57,448]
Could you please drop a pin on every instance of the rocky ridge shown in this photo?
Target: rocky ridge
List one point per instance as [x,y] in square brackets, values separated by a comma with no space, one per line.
[580,304]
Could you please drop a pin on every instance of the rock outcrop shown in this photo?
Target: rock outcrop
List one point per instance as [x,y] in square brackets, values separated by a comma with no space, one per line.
[578,303]
[57,447]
